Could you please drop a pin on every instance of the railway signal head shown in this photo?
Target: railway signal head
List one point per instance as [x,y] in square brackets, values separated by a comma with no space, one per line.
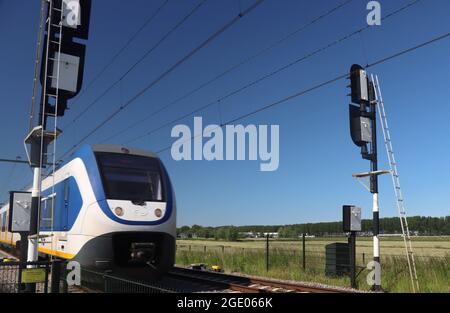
[361,115]
[360,126]
[69,20]
[359,84]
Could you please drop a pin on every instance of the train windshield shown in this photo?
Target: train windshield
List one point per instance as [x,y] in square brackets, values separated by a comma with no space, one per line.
[130,177]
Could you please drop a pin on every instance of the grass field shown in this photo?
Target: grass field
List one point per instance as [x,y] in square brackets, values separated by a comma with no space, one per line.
[285,259]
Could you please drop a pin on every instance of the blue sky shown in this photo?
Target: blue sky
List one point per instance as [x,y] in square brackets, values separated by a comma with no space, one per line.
[317,156]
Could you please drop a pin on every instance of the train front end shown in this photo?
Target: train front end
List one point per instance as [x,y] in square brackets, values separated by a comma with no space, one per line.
[132,221]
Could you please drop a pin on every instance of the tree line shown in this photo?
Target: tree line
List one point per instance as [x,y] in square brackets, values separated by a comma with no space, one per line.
[421,225]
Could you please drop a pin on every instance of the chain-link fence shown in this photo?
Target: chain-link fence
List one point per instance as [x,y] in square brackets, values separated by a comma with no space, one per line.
[33,277]
[14,276]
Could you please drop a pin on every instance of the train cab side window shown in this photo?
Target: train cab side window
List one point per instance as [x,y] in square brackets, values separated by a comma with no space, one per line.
[47,204]
[66,193]
[3,222]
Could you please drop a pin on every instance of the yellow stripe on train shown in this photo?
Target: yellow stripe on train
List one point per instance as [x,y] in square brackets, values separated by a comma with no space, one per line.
[60,254]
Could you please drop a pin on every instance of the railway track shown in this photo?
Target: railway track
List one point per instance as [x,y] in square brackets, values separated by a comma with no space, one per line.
[248,284]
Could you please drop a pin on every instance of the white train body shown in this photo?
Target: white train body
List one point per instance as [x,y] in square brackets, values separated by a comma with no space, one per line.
[114,207]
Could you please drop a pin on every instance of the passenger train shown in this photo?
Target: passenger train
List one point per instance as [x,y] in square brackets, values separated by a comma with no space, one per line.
[111,207]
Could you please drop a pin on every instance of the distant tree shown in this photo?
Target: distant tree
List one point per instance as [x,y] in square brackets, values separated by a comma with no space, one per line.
[423,225]
[183,230]
[232,234]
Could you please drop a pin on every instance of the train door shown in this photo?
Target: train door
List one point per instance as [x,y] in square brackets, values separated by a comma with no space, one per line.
[61,244]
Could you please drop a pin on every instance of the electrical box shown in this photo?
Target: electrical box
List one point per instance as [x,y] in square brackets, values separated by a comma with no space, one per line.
[337,259]
[69,67]
[351,218]
[19,211]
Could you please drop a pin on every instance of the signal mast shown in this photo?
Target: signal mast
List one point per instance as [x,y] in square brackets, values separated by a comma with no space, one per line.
[61,76]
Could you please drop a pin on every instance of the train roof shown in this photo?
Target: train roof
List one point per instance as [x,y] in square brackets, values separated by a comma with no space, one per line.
[122,149]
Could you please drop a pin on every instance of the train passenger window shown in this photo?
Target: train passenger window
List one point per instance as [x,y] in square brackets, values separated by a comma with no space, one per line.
[131,177]
[3,221]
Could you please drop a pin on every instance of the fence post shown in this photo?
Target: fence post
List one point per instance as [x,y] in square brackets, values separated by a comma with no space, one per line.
[47,270]
[364,258]
[267,252]
[189,248]
[223,249]
[64,276]
[204,249]
[303,251]
[23,259]
[56,276]
[352,254]
[105,284]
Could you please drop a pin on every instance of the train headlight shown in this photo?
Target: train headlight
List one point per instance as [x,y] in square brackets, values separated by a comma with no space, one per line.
[158,212]
[118,211]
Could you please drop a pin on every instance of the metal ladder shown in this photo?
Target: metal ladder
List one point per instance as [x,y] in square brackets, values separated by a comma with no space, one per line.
[55,61]
[396,183]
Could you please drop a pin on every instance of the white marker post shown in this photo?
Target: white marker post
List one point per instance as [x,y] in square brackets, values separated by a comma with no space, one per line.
[34,217]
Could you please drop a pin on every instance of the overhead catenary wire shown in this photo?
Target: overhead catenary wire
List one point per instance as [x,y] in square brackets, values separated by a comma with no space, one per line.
[320,85]
[142,58]
[232,68]
[165,73]
[328,82]
[258,80]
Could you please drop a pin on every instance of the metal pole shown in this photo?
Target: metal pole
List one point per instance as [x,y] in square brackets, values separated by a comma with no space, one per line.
[352,251]
[304,251]
[34,222]
[64,275]
[34,215]
[267,252]
[376,243]
[23,257]
[56,276]
[374,190]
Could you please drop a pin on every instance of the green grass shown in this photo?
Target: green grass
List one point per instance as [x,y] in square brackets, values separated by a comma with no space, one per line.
[285,263]
[423,246]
